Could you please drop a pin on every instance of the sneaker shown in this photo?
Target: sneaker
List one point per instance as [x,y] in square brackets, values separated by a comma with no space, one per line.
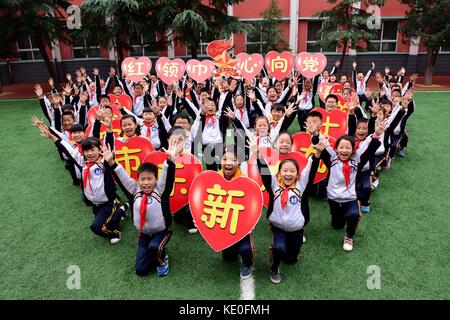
[401,153]
[365,209]
[388,164]
[115,240]
[245,272]
[304,239]
[125,208]
[375,184]
[163,269]
[192,230]
[275,277]
[348,244]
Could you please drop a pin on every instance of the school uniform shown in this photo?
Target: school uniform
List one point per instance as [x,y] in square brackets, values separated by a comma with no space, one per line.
[151,215]
[307,103]
[286,212]
[361,85]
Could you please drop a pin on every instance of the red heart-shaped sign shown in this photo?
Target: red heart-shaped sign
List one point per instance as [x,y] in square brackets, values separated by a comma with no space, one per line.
[92,113]
[136,69]
[224,211]
[273,159]
[334,123]
[324,90]
[336,88]
[170,71]
[301,142]
[309,64]
[199,70]
[187,167]
[124,100]
[131,154]
[249,65]
[278,64]
[115,126]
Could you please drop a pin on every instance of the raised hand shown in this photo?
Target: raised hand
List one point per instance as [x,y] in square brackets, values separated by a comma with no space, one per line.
[83,98]
[407,98]
[337,63]
[51,82]
[373,65]
[100,113]
[387,70]
[180,93]
[38,90]
[69,77]
[375,108]
[230,114]
[379,129]
[354,64]
[175,147]
[291,109]
[67,89]
[108,155]
[189,83]
[155,108]
[252,96]
[36,122]
[312,128]
[45,132]
[95,71]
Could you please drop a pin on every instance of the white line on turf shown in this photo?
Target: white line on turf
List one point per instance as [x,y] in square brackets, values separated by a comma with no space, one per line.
[248,289]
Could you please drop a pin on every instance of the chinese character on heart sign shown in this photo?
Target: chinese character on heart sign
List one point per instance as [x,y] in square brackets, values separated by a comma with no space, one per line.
[310,64]
[178,180]
[219,211]
[131,68]
[199,69]
[279,64]
[127,159]
[170,69]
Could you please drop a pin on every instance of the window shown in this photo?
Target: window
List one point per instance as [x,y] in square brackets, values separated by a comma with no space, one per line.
[83,49]
[386,37]
[143,45]
[445,47]
[204,41]
[313,36]
[254,42]
[27,48]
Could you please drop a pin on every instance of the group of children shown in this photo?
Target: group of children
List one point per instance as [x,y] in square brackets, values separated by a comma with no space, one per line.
[197,118]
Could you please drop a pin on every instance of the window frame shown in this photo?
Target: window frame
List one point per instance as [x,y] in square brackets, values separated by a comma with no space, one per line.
[381,41]
[313,42]
[32,50]
[142,47]
[260,43]
[85,49]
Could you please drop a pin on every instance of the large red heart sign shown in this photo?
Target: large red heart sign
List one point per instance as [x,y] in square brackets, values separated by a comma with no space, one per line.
[170,71]
[124,100]
[301,142]
[249,65]
[131,154]
[334,124]
[115,126]
[324,90]
[309,64]
[92,113]
[187,167]
[278,64]
[136,69]
[224,211]
[336,88]
[199,70]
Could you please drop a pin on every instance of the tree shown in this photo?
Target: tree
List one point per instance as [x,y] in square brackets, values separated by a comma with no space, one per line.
[346,26]
[270,31]
[41,20]
[428,20]
[192,20]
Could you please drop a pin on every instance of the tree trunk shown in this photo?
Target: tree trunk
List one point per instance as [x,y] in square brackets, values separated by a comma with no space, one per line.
[120,56]
[194,53]
[49,64]
[344,52]
[429,67]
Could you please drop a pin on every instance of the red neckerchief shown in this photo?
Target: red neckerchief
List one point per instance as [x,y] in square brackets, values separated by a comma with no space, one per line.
[361,83]
[241,110]
[357,143]
[87,175]
[305,99]
[346,170]
[143,212]
[284,193]
[91,94]
[70,134]
[209,118]
[135,97]
[149,125]
[80,150]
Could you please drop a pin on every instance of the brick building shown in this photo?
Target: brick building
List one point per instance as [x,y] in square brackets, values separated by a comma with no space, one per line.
[299,27]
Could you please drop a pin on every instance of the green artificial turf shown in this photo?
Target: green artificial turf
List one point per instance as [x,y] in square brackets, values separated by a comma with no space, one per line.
[45,229]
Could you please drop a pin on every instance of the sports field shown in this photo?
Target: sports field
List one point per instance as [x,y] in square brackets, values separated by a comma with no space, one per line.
[45,229]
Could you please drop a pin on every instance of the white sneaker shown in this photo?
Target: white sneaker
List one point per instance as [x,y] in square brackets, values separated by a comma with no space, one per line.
[193,230]
[348,244]
[375,184]
[115,240]
[304,239]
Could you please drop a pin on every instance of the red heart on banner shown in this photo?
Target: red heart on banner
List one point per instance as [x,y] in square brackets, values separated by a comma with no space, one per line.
[124,100]
[301,142]
[324,90]
[92,113]
[249,65]
[199,70]
[334,123]
[136,69]
[336,88]
[278,64]
[187,167]
[115,126]
[309,64]
[273,159]
[224,211]
[170,71]
[131,154]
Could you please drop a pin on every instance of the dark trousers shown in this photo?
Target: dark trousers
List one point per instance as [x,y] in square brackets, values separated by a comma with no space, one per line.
[151,251]
[301,117]
[285,247]
[363,187]
[404,140]
[394,145]
[345,213]
[212,153]
[70,166]
[184,217]
[363,98]
[376,162]
[244,248]
[107,219]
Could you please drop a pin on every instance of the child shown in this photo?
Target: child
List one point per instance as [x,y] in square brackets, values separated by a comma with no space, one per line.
[342,163]
[98,185]
[245,247]
[360,82]
[151,208]
[286,210]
